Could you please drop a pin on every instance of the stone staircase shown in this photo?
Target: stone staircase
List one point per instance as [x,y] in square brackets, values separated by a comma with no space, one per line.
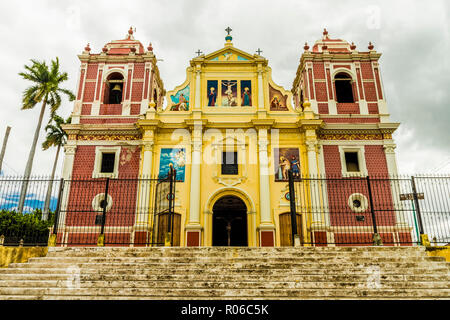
[229,273]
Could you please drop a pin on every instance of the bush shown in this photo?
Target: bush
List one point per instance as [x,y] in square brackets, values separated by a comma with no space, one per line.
[16,226]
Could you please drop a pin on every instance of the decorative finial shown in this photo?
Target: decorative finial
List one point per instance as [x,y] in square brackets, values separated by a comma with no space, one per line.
[325,32]
[370,46]
[259,51]
[105,49]
[353,46]
[87,48]
[150,48]
[130,33]
[228,38]
[306,47]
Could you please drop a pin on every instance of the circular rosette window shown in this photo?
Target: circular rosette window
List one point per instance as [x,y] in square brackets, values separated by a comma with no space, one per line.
[358,202]
[99,202]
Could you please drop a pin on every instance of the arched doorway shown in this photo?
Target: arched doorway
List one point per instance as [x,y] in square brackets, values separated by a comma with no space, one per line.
[229,222]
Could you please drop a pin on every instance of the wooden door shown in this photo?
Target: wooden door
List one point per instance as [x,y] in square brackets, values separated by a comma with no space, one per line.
[162,228]
[286,229]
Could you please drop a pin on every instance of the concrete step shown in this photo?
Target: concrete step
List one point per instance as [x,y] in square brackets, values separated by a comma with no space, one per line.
[235,265]
[310,259]
[229,273]
[227,252]
[220,293]
[226,277]
[220,270]
[226,284]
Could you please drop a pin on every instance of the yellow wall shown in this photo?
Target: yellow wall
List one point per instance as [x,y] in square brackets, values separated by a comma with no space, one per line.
[439,252]
[173,130]
[10,255]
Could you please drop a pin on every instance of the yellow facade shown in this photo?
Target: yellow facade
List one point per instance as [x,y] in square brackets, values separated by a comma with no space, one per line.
[252,131]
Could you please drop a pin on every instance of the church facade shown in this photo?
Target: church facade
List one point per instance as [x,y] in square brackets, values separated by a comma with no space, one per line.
[232,134]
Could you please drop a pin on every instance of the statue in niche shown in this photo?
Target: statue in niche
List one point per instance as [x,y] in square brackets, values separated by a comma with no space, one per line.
[230,93]
[212,96]
[295,167]
[246,97]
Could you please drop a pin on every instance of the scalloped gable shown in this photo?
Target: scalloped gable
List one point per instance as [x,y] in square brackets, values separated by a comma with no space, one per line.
[229,53]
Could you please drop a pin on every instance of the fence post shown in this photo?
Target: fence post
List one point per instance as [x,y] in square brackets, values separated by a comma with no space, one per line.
[376,237]
[101,237]
[295,236]
[52,239]
[423,237]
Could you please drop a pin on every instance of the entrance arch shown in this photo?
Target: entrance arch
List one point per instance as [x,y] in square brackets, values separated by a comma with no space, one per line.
[229,225]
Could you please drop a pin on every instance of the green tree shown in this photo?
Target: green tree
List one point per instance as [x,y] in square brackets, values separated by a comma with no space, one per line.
[46,90]
[56,137]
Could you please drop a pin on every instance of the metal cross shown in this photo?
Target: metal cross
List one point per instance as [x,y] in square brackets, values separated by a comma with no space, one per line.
[259,51]
[198,53]
[228,29]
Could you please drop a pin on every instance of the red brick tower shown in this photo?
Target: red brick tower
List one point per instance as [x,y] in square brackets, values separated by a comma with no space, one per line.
[344,88]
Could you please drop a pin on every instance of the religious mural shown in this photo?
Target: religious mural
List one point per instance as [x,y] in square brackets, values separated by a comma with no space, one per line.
[229,93]
[180,100]
[176,156]
[212,92]
[246,93]
[277,100]
[285,159]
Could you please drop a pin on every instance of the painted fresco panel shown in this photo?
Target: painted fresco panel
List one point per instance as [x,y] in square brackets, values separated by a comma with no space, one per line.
[180,100]
[211,92]
[246,93]
[176,156]
[277,100]
[229,93]
[285,159]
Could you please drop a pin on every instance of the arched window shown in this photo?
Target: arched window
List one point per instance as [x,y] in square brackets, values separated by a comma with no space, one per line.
[344,90]
[114,89]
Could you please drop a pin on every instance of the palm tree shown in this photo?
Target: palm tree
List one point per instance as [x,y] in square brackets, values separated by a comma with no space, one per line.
[45,89]
[56,137]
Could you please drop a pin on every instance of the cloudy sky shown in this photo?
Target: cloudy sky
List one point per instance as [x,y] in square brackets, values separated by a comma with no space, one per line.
[412,35]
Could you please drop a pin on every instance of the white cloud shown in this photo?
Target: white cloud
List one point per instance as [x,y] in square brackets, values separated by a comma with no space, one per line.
[412,35]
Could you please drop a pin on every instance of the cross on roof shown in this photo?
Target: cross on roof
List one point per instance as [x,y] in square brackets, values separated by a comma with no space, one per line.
[228,30]
[259,51]
[198,53]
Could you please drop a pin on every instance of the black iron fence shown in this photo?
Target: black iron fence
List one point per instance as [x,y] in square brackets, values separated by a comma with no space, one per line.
[140,212]
[89,212]
[372,210]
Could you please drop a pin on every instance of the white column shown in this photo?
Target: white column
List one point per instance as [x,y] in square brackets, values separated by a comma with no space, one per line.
[194,202]
[197,88]
[147,160]
[401,207]
[389,151]
[260,90]
[69,158]
[145,188]
[316,204]
[264,191]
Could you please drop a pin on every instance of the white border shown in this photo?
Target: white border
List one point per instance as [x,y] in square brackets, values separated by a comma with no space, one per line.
[98,162]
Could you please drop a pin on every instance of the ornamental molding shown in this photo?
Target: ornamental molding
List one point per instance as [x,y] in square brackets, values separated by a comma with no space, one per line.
[230,182]
[148,146]
[70,149]
[105,137]
[389,148]
[352,136]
